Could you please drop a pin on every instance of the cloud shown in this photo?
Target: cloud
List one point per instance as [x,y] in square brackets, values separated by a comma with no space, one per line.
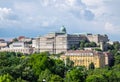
[74,7]
[25,8]
[7,18]
[46,22]
[47,13]
[83,15]
[88,15]
[103,9]
[4,13]
[111,28]
[7,14]
[93,3]
[98,7]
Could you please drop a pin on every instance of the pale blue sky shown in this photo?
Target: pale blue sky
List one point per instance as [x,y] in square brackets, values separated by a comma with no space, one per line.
[37,17]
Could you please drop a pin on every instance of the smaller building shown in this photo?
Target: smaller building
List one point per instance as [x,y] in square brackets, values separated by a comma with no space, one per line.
[21,50]
[21,47]
[85,58]
[36,44]
[3,43]
[24,39]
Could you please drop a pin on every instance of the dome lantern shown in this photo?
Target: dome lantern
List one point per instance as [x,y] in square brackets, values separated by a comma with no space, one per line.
[63,29]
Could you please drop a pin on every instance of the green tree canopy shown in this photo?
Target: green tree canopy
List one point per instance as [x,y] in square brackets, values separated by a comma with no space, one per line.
[6,78]
[76,75]
[40,62]
[95,78]
[91,65]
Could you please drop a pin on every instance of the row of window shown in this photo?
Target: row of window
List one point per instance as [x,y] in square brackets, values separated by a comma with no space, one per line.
[80,54]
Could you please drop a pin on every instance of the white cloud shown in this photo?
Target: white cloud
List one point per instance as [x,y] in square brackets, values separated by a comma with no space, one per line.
[4,13]
[83,15]
[98,7]
[25,8]
[7,14]
[111,28]
[46,22]
[103,9]
[70,2]
[8,18]
[46,13]
[92,2]
[45,2]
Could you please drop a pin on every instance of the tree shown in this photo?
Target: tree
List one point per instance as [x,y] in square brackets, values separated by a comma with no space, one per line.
[90,44]
[20,80]
[110,47]
[98,49]
[73,47]
[116,46]
[40,62]
[95,78]
[45,75]
[75,75]
[69,63]
[56,78]
[81,45]
[93,44]
[15,40]
[8,61]
[59,68]
[6,78]
[87,45]
[91,65]
[111,76]
[117,58]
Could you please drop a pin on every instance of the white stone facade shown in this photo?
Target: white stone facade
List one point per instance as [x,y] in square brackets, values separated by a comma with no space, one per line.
[97,38]
[18,47]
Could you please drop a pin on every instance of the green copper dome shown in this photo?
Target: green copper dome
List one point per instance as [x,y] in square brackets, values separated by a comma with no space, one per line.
[63,29]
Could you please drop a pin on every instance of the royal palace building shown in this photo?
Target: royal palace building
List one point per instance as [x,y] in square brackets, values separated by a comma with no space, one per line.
[58,42]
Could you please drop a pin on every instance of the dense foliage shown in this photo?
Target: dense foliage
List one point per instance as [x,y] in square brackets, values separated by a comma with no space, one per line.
[43,67]
[83,44]
[30,68]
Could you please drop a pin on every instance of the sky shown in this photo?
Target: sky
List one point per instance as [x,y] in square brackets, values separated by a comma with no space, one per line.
[32,18]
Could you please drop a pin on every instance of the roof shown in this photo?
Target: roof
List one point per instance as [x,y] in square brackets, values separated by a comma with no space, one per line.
[2,40]
[82,52]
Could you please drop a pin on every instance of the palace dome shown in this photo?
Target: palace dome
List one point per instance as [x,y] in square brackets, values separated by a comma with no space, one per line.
[63,29]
